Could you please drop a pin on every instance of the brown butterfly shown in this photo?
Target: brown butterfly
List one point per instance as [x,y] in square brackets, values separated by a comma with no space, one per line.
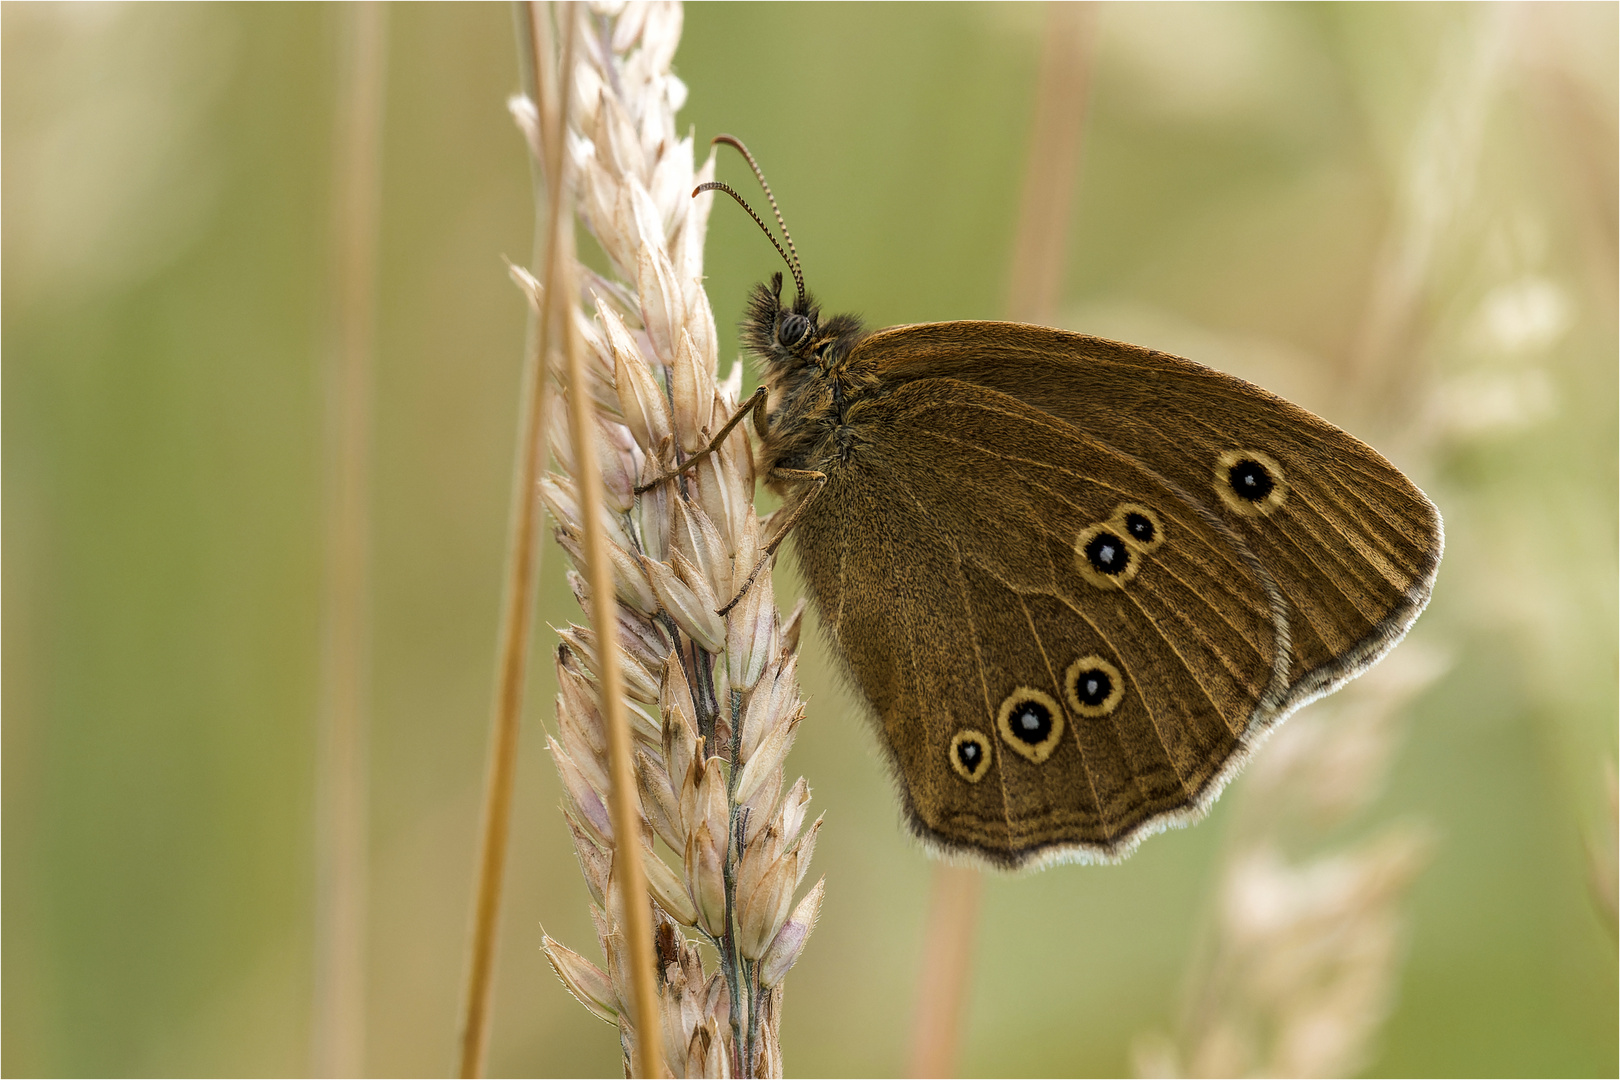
[1077,581]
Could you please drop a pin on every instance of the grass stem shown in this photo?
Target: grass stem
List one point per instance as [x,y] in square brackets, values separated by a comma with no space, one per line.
[942,984]
[341,848]
[622,797]
[517,602]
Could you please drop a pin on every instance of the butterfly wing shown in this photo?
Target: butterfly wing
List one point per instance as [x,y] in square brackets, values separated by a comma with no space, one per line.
[943,559]
[1050,684]
[1351,543]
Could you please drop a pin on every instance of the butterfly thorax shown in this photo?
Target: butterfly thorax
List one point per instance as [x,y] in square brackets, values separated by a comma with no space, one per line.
[813,378]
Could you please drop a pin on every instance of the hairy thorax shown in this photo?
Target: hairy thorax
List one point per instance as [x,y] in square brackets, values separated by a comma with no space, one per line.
[810,424]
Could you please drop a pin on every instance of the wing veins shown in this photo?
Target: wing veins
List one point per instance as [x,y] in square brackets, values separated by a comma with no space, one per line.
[1380,566]
[1038,525]
[1074,728]
[1193,628]
[1153,718]
[1385,555]
[978,656]
[1153,622]
[1058,495]
[1295,556]
[1103,816]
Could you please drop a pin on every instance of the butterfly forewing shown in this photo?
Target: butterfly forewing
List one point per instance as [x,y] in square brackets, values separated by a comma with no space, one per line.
[1350,542]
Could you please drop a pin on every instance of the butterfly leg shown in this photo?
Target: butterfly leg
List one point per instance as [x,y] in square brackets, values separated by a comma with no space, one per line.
[755,405]
[798,476]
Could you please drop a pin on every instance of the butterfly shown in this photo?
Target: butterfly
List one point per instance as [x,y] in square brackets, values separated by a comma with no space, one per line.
[1075,581]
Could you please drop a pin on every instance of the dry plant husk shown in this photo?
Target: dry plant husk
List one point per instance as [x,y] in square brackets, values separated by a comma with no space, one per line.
[713,700]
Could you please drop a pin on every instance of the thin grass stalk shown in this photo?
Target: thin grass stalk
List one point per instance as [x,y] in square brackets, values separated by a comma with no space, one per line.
[562,294]
[1428,200]
[518,594]
[947,967]
[1041,247]
[1603,875]
[1296,968]
[1040,252]
[338,1025]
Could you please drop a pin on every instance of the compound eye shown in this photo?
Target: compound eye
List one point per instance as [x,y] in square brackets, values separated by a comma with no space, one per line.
[794,329]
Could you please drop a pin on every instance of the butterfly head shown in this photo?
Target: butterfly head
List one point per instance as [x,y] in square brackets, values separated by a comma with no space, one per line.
[791,337]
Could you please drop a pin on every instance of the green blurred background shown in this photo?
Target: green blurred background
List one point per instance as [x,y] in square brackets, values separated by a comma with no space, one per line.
[1248,174]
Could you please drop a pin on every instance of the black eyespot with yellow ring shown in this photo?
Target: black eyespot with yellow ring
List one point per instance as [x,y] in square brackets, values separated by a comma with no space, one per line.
[970,755]
[1250,482]
[1093,686]
[1104,557]
[1031,723]
[1140,526]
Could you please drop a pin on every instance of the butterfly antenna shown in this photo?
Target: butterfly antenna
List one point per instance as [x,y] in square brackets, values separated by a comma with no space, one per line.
[715,185]
[759,174]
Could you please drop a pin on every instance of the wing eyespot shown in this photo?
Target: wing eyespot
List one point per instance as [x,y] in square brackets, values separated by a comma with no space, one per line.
[1093,686]
[1104,557]
[1031,723]
[1139,526]
[1250,482]
[970,755]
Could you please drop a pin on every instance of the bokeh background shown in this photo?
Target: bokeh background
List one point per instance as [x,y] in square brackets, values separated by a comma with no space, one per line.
[1256,180]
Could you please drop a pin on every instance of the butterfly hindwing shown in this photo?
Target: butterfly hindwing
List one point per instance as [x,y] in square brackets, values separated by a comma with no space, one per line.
[960,597]
[886,591]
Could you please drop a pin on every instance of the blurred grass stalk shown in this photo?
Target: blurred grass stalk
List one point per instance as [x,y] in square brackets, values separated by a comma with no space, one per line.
[341,847]
[1040,252]
[1603,875]
[1300,965]
[1385,376]
[1303,960]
